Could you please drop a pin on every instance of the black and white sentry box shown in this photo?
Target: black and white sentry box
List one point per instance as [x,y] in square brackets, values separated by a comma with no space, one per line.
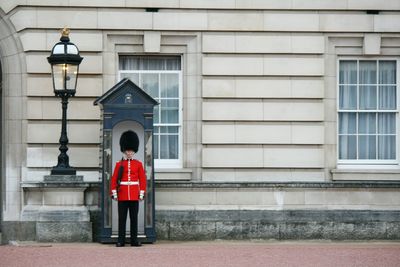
[126,107]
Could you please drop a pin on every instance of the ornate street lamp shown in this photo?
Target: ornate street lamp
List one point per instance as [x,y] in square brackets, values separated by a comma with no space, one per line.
[64,60]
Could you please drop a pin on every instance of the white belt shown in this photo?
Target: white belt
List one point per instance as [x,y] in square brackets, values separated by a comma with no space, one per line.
[129,183]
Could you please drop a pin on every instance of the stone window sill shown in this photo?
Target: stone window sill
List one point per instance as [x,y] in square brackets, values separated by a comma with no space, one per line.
[366,175]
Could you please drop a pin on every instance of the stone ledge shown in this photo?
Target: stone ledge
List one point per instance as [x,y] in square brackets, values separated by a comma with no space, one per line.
[341,184]
[59,184]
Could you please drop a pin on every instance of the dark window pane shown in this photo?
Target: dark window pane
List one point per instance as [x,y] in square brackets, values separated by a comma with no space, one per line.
[387,123]
[169,85]
[348,97]
[387,147]
[150,84]
[387,72]
[367,123]
[348,72]
[169,146]
[367,97]
[367,147]
[347,147]
[387,97]
[367,72]
[170,111]
[347,123]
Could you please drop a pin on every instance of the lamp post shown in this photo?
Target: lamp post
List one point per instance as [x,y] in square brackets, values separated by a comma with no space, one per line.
[64,60]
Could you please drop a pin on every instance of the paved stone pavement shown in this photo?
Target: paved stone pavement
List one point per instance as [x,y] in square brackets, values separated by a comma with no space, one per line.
[202,253]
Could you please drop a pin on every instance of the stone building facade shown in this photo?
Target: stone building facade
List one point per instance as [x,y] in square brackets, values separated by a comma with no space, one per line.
[279,119]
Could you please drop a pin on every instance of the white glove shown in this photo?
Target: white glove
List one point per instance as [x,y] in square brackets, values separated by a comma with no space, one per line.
[141,195]
[114,195]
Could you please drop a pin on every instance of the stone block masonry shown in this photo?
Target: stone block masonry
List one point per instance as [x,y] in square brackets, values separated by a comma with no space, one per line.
[279,225]
[281,211]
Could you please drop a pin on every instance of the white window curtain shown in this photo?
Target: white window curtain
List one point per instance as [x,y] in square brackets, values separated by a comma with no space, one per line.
[160,78]
[149,63]
[367,110]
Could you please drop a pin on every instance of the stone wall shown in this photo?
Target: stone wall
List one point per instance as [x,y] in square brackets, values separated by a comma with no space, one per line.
[339,210]
[279,225]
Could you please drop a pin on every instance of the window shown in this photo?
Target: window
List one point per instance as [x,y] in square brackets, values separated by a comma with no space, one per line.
[367,112]
[160,77]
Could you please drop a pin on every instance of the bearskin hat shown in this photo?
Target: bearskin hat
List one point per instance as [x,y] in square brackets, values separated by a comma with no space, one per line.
[129,141]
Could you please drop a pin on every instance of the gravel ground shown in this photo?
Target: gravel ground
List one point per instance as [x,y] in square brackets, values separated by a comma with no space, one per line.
[213,253]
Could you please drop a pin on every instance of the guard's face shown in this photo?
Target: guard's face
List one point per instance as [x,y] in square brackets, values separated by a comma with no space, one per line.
[129,154]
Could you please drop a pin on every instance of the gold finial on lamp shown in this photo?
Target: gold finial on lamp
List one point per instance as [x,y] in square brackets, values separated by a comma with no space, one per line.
[65,32]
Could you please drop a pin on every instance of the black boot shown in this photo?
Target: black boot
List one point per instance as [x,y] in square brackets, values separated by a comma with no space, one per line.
[120,244]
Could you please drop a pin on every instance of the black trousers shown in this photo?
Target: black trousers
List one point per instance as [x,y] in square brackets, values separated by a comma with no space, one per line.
[123,207]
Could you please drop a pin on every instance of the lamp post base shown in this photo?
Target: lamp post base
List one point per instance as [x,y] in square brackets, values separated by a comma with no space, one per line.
[63,171]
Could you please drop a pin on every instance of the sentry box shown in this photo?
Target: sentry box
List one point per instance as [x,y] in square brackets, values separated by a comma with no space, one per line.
[126,107]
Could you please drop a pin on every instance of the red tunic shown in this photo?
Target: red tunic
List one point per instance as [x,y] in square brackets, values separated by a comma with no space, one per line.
[133,180]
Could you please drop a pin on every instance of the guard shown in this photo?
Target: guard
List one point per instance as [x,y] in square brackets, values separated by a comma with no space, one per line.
[128,187]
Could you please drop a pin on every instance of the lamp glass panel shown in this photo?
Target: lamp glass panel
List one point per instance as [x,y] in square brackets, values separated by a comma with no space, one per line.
[72,49]
[58,76]
[58,49]
[70,77]
[65,76]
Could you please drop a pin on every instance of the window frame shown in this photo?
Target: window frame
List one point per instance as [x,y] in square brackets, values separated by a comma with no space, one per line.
[165,163]
[367,163]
